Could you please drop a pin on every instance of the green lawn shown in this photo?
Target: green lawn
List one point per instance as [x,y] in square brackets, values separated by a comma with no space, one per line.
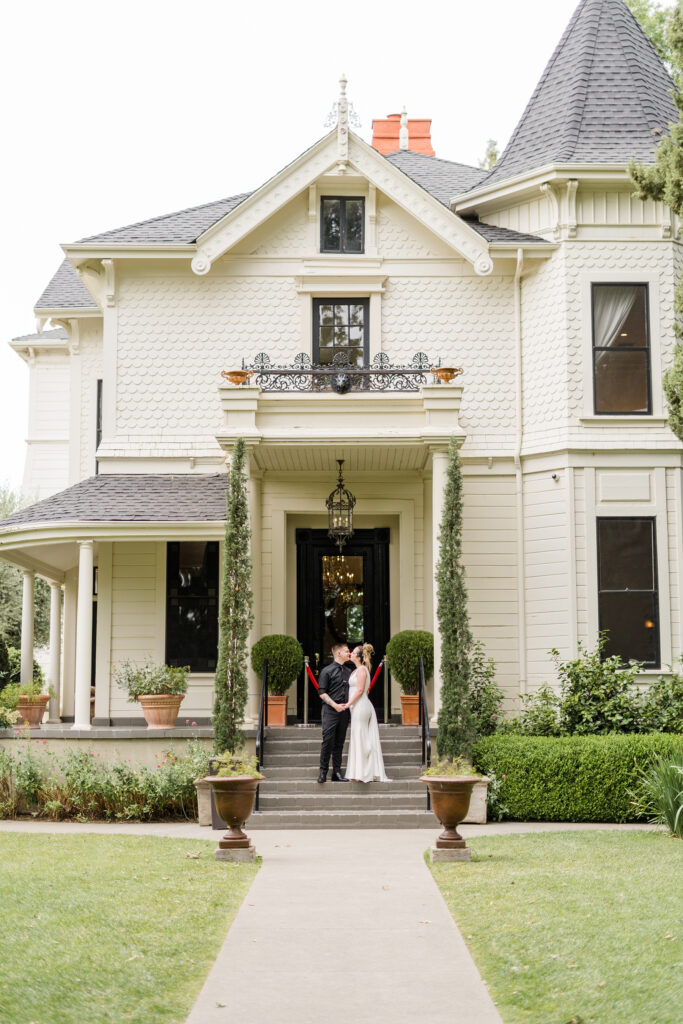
[574,927]
[110,928]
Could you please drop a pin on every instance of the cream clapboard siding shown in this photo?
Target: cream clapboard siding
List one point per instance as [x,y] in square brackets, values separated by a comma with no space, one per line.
[46,469]
[585,576]
[490,558]
[138,624]
[674,527]
[547,582]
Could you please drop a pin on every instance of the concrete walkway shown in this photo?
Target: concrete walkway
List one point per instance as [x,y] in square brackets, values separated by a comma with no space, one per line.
[339,927]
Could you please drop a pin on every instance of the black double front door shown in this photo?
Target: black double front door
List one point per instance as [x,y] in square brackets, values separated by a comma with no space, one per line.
[341,598]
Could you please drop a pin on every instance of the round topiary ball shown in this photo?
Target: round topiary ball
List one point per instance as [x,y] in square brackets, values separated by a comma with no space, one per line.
[403,653]
[285,659]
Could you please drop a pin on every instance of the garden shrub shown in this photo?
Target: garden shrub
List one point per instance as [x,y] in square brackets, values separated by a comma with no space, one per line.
[285,658]
[599,694]
[486,697]
[571,778]
[404,651]
[659,794]
[14,658]
[539,716]
[79,785]
[663,704]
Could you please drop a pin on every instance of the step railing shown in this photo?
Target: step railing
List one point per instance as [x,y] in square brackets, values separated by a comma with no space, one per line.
[424,724]
[262,724]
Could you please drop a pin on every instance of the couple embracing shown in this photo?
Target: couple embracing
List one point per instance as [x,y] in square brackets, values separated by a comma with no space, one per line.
[343,689]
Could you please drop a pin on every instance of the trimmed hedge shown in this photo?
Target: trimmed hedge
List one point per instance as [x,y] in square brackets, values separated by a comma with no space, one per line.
[571,778]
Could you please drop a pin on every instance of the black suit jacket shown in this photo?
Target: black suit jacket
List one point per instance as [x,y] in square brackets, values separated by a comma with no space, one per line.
[334,680]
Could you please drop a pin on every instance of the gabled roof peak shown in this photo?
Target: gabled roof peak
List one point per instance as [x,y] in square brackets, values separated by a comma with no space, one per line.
[604,97]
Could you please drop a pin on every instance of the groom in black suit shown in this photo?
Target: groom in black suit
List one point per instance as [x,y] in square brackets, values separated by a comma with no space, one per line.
[333,690]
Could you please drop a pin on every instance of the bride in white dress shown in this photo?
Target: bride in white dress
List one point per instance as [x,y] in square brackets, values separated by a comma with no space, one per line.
[365,762]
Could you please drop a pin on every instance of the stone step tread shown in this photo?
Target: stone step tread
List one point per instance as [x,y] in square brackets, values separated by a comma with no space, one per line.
[284,745]
[306,758]
[342,801]
[315,730]
[309,773]
[402,786]
[341,819]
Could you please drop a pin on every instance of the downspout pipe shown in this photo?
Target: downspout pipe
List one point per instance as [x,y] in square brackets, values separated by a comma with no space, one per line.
[519,476]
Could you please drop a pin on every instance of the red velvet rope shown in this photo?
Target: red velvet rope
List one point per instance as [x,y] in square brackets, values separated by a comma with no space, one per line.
[374,678]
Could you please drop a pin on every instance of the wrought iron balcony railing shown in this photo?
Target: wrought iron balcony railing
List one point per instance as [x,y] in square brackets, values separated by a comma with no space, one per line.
[340,375]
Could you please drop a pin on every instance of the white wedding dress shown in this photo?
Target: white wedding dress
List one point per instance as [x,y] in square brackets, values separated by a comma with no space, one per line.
[365,762]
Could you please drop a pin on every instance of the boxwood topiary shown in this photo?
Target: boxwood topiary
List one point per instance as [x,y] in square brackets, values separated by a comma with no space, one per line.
[285,659]
[571,778]
[403,652]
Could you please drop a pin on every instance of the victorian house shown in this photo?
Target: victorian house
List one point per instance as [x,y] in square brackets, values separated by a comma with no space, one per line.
[345,286]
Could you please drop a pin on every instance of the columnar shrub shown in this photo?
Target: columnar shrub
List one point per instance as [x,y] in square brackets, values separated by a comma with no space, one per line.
[236,614]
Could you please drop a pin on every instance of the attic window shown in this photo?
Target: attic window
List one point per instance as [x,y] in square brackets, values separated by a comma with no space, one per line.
[621,349]
[341,224]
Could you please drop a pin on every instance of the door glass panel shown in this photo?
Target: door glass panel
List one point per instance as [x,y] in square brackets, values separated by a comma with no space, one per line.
[343,602]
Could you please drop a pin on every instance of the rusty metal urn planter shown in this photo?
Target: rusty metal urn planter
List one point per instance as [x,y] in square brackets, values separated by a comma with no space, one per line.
[32,709]
[410,709]
[160,710]
[450,798]
[235,796]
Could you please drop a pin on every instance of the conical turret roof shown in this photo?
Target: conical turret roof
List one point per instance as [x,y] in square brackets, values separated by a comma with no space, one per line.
[604,97]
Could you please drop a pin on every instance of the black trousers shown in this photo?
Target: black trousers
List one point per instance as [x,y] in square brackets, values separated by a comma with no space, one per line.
[335,724]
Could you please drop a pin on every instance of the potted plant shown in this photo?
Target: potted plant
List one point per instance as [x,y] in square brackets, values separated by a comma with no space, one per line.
[28,700]
[403,653]
[234,786]
[158,688]
[450,784]
[285,659]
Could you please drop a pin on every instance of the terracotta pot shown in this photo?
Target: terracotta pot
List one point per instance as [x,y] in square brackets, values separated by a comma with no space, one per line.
[410,708]
[277,712]
[32,709]
[161,709]
[450,798]
[446,373]
[234,798]
[237,376]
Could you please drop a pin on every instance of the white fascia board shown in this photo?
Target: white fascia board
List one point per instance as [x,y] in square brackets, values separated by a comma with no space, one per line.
[35,534]
[311,166]
[26,349]
[530,181]
[532,250]
[66,312]
[78,253]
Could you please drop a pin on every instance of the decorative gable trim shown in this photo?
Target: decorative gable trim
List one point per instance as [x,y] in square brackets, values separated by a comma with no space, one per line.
[324,158]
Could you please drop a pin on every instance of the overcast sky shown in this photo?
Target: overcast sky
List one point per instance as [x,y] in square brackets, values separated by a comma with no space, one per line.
[116,112]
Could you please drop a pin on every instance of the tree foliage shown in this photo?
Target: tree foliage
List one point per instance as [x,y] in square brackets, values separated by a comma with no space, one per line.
[490,156]
[11,587]
[663,181]
[456,718]
[655,21]
[236,615]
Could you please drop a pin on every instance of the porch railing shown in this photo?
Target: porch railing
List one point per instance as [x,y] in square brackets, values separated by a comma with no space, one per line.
[262,724]
[341,376]
[424,724]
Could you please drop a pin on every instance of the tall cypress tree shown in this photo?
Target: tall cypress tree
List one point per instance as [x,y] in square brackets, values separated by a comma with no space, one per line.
[236,615]
[456,721]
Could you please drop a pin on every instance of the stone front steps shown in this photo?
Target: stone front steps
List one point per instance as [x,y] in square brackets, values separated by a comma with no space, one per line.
[290,796]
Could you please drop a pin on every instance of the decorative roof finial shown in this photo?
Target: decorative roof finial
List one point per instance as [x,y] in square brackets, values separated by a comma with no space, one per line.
[403,133]
[342,115]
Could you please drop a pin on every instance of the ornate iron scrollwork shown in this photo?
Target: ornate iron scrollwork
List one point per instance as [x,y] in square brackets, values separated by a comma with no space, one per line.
[341,376]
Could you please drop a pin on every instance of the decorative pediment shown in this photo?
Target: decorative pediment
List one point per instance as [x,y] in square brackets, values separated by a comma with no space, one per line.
[341,155]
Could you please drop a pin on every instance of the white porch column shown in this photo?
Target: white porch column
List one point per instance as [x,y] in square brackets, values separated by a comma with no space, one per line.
[439,466]
[54,677]
[27,611]
[84,635]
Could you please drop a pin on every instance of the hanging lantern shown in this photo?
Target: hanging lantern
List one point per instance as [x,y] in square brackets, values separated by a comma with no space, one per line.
[340,506]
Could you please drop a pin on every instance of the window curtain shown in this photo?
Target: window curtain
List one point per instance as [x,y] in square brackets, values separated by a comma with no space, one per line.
[611,305]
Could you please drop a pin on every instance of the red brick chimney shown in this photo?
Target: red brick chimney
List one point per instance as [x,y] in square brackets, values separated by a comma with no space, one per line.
[386,135]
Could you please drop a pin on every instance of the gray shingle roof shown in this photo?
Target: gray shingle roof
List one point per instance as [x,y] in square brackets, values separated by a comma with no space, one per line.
[66,291]
[180,228]
[57,334]
[134,498]
[604,97]
[492,233]
[441,178]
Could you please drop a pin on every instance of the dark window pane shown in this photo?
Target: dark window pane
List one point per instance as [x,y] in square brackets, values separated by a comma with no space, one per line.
[341,314]
[620,316]
[356,356]
[355,335]
[353,240]
[326,336]
[631,621]
[192,604]
[326,314]
[331,241]
[326,356]
[621,381]
[626,554]
[357,314]
[341,336]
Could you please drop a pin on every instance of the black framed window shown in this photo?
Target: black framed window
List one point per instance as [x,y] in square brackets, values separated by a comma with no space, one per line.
[342,224]
[621,349]
[627,588]
[98,423]
[192,604]
[341,326]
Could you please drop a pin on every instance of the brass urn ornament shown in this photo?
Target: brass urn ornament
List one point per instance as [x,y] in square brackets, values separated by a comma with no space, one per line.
[446,373]
[237,376]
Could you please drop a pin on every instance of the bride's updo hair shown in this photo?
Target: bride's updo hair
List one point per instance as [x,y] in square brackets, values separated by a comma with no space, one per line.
[367,651]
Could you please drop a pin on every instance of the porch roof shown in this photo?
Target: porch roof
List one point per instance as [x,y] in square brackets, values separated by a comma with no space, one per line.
[129,498]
